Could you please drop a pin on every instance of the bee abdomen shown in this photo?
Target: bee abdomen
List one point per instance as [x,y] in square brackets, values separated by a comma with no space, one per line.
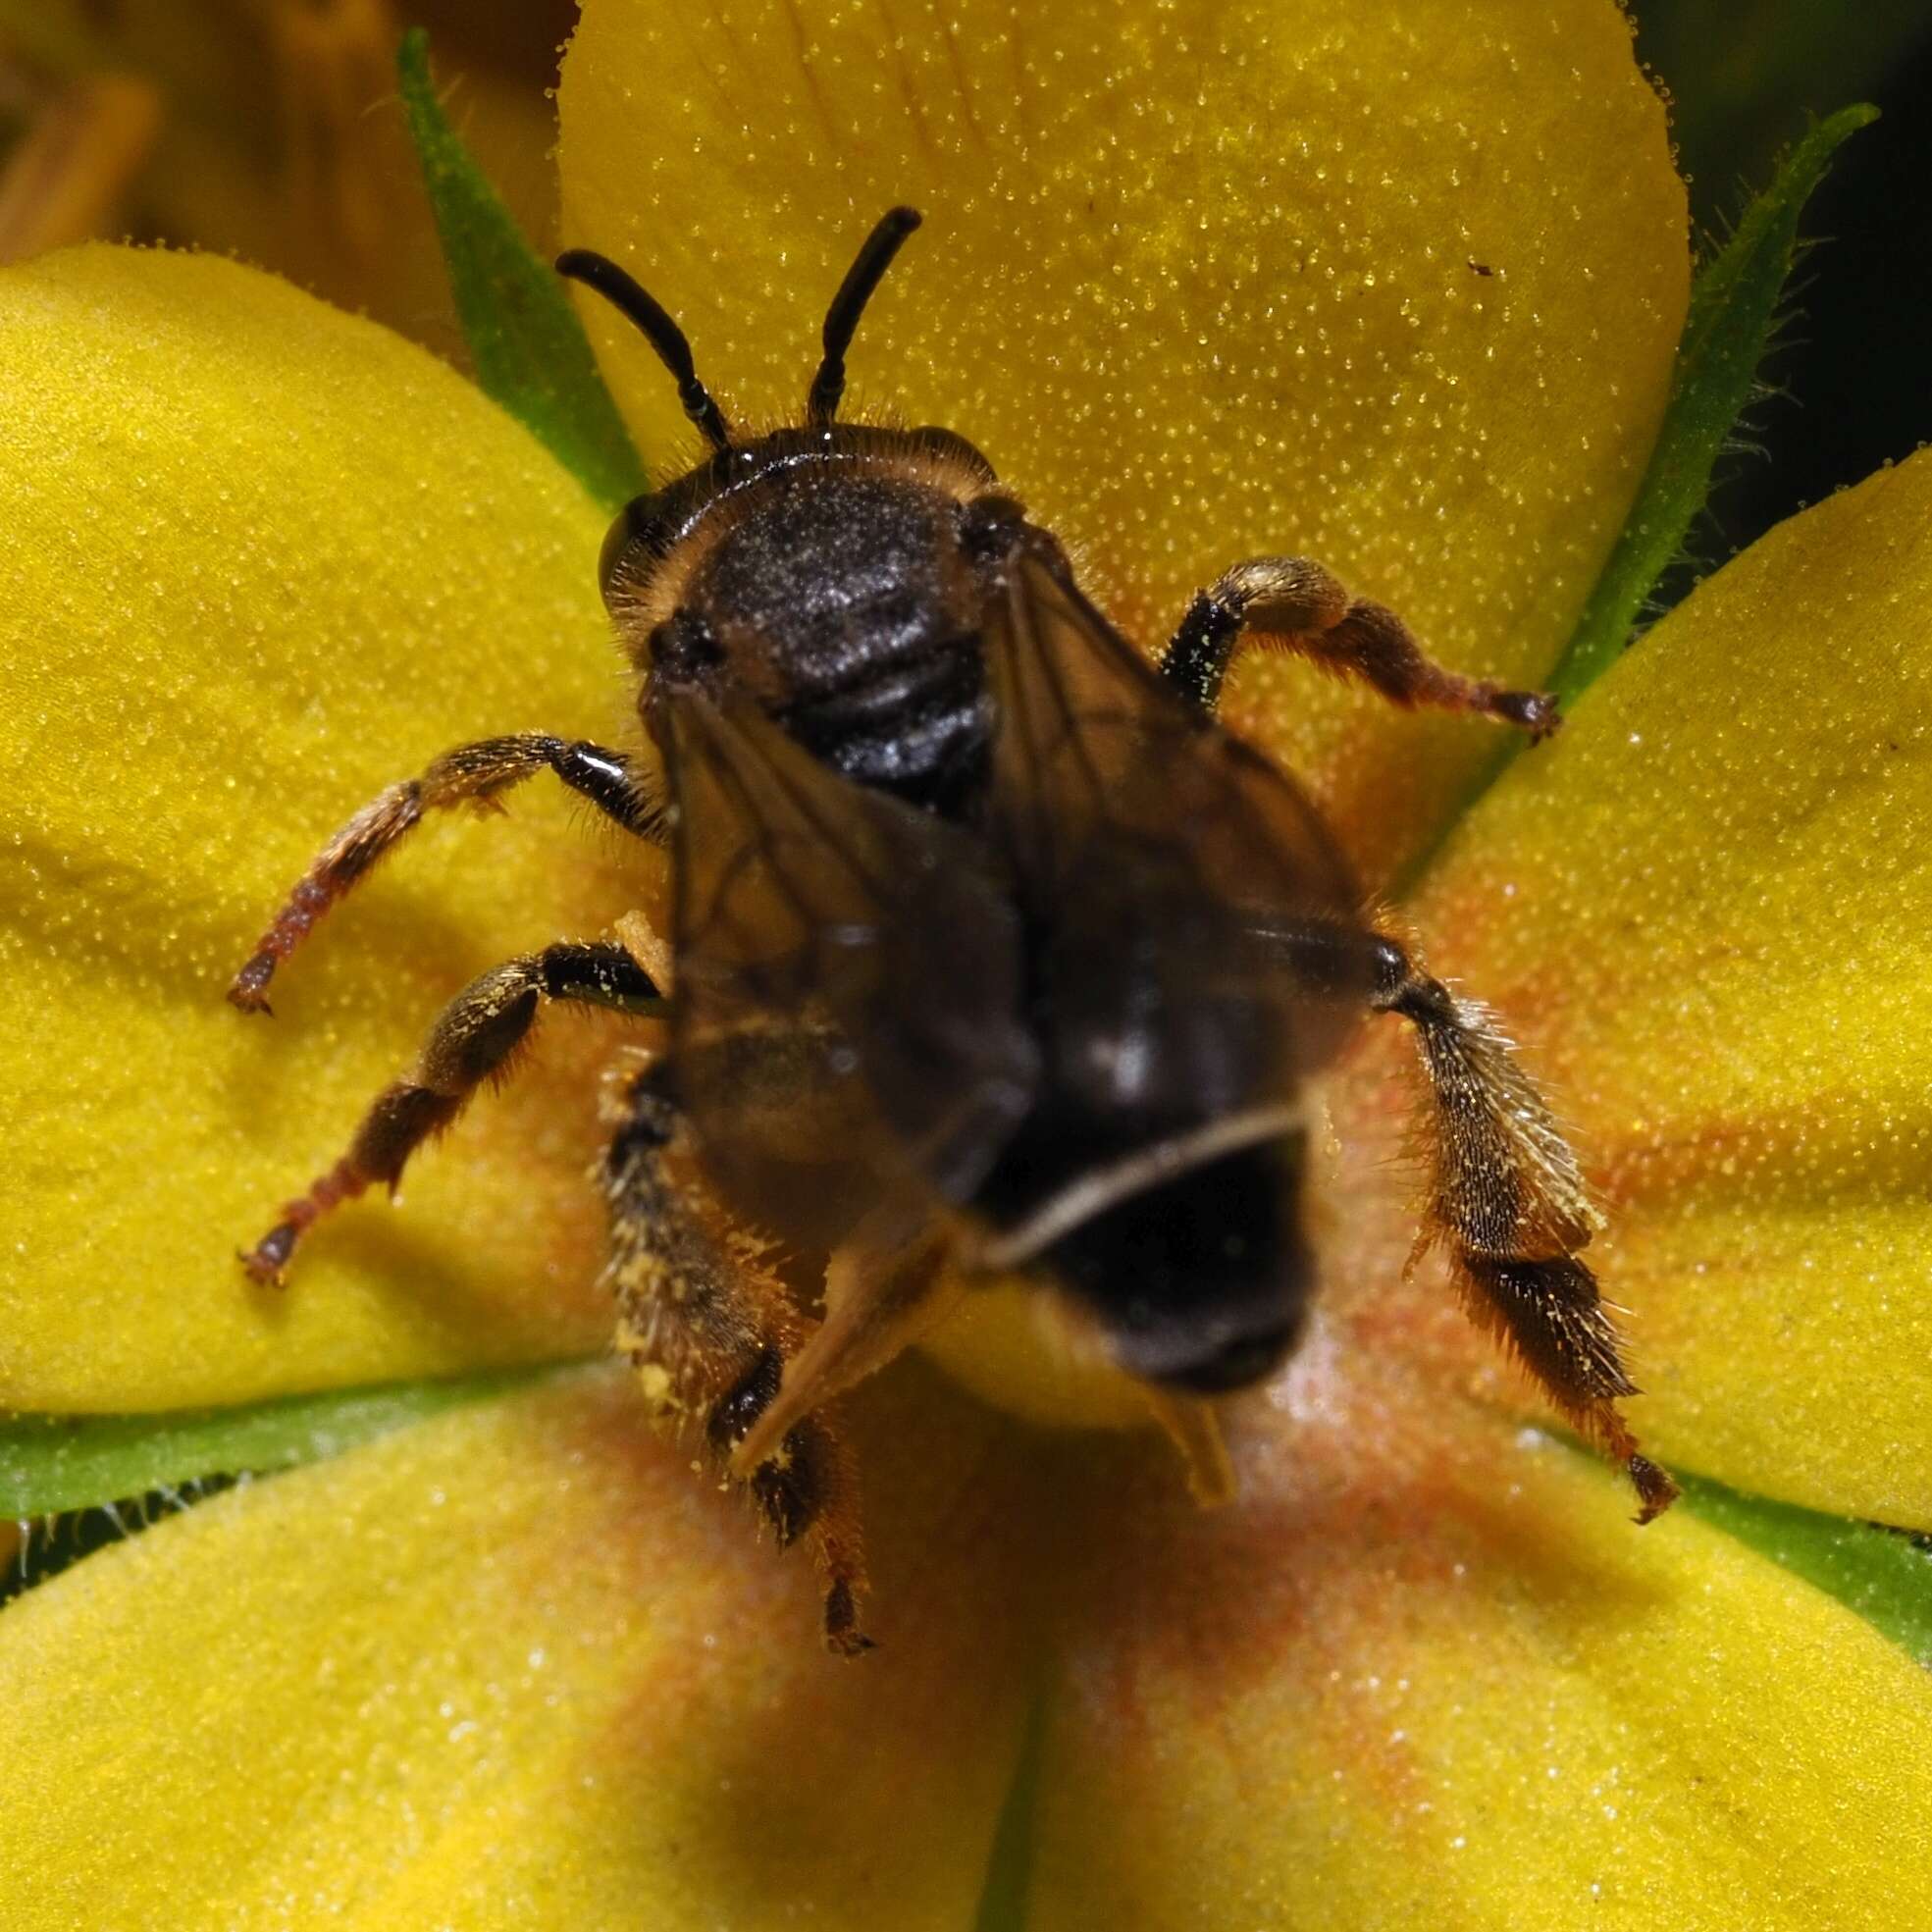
[1202,1282]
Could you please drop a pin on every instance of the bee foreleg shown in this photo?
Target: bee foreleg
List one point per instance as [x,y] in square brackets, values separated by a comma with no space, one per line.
[474,1039]
[1507,1198]
[711,1328]
[474,774]
[1293,604]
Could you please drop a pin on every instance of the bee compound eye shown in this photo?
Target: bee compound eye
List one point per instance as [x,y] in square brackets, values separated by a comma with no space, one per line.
[952,446]
[630,546]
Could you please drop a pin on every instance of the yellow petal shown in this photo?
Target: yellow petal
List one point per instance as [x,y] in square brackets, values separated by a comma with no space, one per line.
[262,558]
[1709,907]
[517,1666]
[1394,288]
[1431,1675]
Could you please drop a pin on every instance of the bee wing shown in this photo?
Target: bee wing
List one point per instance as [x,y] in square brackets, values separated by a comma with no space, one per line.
[845,1019]
[1095,746]
[1205,941]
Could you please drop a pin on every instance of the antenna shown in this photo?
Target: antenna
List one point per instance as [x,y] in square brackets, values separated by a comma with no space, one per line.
[598,272]
[849,304]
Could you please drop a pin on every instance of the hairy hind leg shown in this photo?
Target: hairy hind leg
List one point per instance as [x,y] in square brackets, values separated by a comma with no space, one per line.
[1507,1199]
[1293,604]
[710,1327]
[473,1041]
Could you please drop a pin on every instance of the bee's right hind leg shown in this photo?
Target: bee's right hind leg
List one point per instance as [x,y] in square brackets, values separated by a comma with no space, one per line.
[711,1327]
[1507,1198]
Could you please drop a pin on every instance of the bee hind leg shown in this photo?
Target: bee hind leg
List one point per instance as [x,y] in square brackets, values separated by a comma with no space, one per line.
[711,1327]
[1508,1201]
[474,1039]
[1293,604]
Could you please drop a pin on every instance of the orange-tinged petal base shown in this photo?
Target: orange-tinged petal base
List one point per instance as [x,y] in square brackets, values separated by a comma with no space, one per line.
[518,1667]
[1397,288]
[1709,907]
[264,559]
[1428,1673]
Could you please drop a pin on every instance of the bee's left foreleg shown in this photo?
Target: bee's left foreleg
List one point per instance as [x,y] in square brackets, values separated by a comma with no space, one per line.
[1293,604]
[710,1329]
[1507,1199]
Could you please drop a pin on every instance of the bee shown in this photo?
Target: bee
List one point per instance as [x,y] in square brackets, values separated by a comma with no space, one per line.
[992,954]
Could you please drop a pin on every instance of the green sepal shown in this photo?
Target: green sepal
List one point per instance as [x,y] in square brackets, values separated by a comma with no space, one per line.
[532,356]
[54,1463]
[1882,1575]
[1008,1877]
[1741,77]
[1732,318]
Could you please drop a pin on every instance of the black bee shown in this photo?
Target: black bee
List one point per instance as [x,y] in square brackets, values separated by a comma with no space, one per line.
[992,954]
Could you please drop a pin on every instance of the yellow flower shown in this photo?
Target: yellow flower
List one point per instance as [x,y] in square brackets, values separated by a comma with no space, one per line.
[1399,292]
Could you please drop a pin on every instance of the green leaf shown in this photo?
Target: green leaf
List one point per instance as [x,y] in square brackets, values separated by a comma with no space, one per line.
[1884,1575]
[532,356]
[1734,313]
[54,1463]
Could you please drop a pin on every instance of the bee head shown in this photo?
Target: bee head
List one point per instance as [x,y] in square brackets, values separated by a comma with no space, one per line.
[653,520]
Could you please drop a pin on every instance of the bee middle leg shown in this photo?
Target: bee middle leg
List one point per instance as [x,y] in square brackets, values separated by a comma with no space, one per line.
[711,1327]
[1293,604]
[1508,1200]
[474,1039]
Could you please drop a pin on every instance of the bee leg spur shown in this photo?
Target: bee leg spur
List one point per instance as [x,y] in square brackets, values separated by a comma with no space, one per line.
[474,774]
[1507,1199]
[711,1327]
[878,1301]
[1293,604]
[474,1038]
[1194,1427]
